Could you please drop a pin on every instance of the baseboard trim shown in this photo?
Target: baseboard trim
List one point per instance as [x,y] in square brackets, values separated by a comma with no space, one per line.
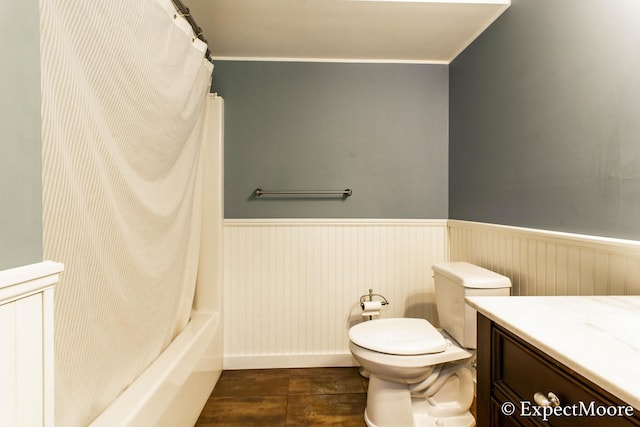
[289,361]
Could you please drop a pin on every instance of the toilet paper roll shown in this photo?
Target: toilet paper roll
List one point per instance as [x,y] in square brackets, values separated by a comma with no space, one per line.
[372,306]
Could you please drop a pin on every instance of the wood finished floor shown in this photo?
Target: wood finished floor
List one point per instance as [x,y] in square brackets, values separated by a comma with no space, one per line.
[287,397]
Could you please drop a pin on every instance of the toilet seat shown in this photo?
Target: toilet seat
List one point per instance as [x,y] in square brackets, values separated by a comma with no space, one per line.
[399,336]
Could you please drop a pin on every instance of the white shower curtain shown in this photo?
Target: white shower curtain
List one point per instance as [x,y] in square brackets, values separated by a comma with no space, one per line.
[124,85]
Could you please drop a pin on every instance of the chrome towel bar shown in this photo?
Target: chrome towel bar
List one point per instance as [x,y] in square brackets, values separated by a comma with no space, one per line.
[345,193]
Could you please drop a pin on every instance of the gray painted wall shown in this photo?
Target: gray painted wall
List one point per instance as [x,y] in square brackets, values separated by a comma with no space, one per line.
[379,129]
[20,146]
[545,119]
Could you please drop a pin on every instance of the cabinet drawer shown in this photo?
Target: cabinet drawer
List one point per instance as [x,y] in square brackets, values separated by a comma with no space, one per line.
[519,371]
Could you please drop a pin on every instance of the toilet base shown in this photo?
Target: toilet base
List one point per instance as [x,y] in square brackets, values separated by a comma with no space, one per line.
[425,420]
[442,402]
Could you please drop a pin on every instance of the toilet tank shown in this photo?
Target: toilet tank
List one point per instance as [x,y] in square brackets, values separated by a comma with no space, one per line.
[453,282]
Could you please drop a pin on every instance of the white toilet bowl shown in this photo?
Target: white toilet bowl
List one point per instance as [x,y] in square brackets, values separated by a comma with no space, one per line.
[418,375]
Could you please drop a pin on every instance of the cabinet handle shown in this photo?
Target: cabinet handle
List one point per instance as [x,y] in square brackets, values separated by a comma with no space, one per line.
[549,400]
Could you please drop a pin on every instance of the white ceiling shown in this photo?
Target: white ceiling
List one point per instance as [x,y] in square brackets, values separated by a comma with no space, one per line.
[343,30]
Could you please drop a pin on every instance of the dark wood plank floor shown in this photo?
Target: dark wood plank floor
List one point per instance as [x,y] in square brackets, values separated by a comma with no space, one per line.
[287,397]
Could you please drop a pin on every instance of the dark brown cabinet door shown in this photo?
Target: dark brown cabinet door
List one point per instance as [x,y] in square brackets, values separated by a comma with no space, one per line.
[511,372]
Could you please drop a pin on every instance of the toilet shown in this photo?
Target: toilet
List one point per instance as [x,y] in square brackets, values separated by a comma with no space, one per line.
[422,376]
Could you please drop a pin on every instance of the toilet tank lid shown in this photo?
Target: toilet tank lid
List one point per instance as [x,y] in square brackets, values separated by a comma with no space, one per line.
[472,276]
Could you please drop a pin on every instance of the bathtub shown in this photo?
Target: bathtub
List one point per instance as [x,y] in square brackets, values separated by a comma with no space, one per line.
[174,388]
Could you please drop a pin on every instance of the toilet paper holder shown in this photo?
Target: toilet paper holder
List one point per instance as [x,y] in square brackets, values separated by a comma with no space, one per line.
[370,296]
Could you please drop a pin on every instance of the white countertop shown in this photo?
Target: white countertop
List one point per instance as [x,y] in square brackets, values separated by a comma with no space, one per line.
[596,336]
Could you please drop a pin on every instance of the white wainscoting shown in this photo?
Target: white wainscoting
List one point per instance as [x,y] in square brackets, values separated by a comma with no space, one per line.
[292,287]
[26,344]
[543,262]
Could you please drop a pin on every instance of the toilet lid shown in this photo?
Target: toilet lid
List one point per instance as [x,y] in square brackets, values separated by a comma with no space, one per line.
[398,336]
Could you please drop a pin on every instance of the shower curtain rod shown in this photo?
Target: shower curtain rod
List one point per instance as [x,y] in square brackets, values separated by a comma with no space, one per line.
[184,11]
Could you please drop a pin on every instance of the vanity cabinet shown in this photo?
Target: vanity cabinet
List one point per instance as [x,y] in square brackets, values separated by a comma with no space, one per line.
[511,370]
